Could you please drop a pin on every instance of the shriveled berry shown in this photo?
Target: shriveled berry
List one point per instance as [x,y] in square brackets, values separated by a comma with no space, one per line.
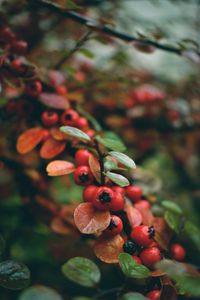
[153,295]
[130,247]
[49,118]
[178,252]
[143,235]
[103,197]
[82,157]
[83,176]
[150,256]
[89,193]
[115,226]
[134,192]
[69,117]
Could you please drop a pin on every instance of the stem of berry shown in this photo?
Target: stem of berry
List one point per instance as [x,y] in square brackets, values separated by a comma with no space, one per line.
[101,162]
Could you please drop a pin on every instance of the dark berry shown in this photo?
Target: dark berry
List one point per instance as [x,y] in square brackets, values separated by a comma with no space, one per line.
[130,247]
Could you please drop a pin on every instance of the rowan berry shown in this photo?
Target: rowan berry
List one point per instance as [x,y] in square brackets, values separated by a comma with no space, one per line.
[117,202]
[19,47]
[118,189]
[153,295]
[88,193]
[137,259]
[49,118]
[143,235]
[103,197]
[150,256]
[134,192]
[69,117]
[83,176]
[82,157]
[34,88]
[115,226]
[82,123]
[177,252]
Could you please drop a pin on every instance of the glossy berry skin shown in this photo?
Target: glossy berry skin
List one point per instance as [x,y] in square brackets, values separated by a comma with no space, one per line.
[134,192]
[89,193]
[103,197]
[82,123]
[137,259]
[142,204]
[178,252]
[90,132]
[19,47]
[153,295]
[69,117]
[34,88]
[82,157]
[83,176]
[130,247]
[49,118]
[61,90]
[142,235]
[150,257]
[118,189]
[115,226]
[117,202]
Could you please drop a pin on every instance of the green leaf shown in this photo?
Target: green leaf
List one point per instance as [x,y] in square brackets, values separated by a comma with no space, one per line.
[75,132]
[87,53]
[39,292]
[172,268]
[2,244]
[111,141]
[117,178]
[132,296]
[14,275]
[173,220]
[82,271]
[124,159]
[72,5]
[173,207]
[193,233]
[109,164]
[131,269]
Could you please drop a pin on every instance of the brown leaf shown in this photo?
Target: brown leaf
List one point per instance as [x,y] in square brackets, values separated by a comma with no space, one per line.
[168,291]
[90,220]
[60,167]
[29,139]
[57,134]
[54,101]
[95,167]
[134,216]
[163,233]
[59,226]
[51,148]
[108,249]
[147,216]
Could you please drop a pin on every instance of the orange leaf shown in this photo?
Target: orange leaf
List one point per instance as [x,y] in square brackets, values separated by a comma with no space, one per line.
[147,216]
[90,220]
[95,167]
[29,139]
[57,134]
[60,167]
[134,216]
[163,233]
[51,148]
[108,249]
[59,226]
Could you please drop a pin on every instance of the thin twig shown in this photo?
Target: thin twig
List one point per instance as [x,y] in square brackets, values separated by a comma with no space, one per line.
[95,25]
[101,162]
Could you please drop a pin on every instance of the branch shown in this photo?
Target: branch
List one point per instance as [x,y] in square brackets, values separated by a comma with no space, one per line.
[95,25]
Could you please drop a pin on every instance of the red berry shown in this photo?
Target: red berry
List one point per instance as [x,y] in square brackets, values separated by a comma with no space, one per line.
[117,202]
[69,117]
[103,197]
[90,132]
[142,235]
[61,90]
[142,204]
[19,47]
[6,34]
[83,176]
[177,252]
[153,295]
[118,189]
[115,226]
[49,118]
[134,192]
[137,259]
[150,256]
[89,193]
[82,157]
[82,123]
[34,88]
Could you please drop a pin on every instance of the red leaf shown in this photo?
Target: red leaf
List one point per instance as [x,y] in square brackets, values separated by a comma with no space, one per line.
[90,220]
[95,167]
[146,213]
[29,139]
[57,134]
[133,215]
[54,101]
[60,167]
[51,148]
[108,249]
